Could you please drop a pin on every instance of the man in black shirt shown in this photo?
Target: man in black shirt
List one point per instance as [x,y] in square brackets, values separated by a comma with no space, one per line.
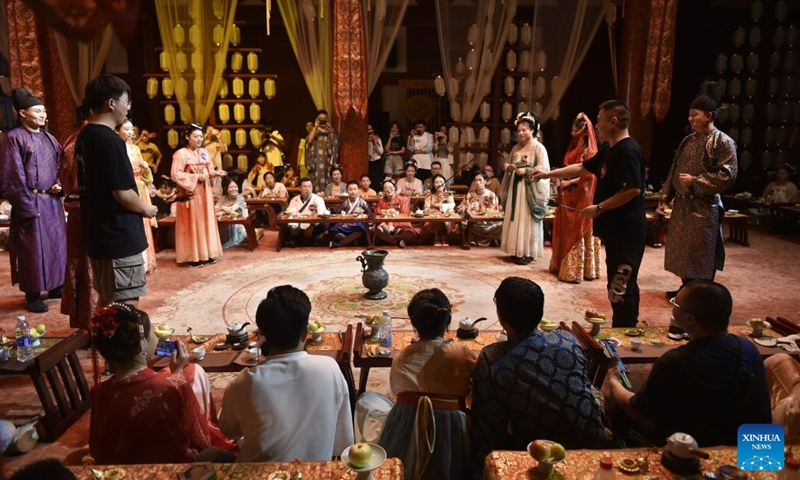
[706,388]
[619,207]
[111,209]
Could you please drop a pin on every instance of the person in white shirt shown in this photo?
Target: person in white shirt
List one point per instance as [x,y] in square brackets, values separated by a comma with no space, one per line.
[292,405]
[375,156]
[420,144]
[307,203]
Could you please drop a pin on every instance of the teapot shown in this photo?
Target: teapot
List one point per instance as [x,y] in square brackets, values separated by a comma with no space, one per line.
[681,445]
[237,329]
[467,328]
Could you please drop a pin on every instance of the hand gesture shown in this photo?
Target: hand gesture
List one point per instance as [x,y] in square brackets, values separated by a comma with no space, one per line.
[590,212]
[179,359]
[685,180]
[150,211]
[55,189]
[539,175]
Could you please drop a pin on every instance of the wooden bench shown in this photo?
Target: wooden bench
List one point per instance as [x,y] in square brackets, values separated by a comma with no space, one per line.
[59,380]
[169,222]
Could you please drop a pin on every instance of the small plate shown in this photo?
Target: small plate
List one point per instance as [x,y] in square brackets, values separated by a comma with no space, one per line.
[676,336]
[634,332]
[628,465]
[198,339]
[220,346]
[733,211]
[377,459]
[766,341]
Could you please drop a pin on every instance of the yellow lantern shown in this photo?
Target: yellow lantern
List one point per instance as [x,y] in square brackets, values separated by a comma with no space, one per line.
[255,112]
[194,35]
[238,87]
[182,87]
[269,88]
[216,7]
[194,7]
[225,137]
[167,87]
[181,62]
[224,113]
[169,114]
[152,87]
[197,62]
[238,112]
[199,87]
[172,138]
[236,35]
[255,137]
[178,35]
[219,62]
[185,115]
[241,137]
[252,62]
[236,61]
[223,88]
[241,161]
[218,35]
[163,61]
[253,87]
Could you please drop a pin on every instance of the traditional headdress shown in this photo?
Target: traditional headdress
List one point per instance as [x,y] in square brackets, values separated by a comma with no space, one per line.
[117,320]
[23,99]
[531,118]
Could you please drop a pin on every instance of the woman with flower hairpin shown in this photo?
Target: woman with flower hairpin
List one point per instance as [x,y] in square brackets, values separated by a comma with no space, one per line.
[140,415]
[525,201]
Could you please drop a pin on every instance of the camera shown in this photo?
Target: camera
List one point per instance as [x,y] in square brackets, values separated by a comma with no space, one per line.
[323,122]
[164,348]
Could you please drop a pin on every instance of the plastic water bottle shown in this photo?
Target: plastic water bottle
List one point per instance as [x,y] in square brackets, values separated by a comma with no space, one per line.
[605,471]
[385,335]
[24,344]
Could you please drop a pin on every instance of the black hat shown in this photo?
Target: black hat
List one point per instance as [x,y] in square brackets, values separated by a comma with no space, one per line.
[708,102]
[23,99]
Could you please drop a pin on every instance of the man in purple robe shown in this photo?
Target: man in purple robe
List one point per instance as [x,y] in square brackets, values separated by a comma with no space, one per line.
[29,161]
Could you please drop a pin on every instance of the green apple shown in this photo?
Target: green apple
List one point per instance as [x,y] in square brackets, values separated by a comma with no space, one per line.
[41,329]
[359,455]
[557,451]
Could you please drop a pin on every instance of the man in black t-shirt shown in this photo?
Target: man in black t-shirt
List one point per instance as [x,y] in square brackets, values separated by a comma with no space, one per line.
[619,207]
[706,388]
[111,210]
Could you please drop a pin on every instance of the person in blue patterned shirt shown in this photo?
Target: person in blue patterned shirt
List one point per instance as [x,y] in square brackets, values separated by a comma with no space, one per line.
[533,386]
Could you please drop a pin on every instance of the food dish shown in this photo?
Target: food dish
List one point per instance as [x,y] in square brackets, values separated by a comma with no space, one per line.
[377,459]
[634,332]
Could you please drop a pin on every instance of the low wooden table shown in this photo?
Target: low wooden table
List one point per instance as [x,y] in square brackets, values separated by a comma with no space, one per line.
[472,219]
[58,377]
[737,224]
[392,469]
[169,222]
[579,464]
[284,221]
[407,218]
[265,204]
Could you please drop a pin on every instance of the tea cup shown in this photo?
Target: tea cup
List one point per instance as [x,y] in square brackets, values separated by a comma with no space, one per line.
[5,354]
[255,354]
[636,344]
[199,353]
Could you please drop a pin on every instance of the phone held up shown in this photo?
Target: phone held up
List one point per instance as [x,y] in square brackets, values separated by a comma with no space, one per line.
[164,348]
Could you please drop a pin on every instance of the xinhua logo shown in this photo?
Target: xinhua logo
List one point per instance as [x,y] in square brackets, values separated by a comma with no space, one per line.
[760,447]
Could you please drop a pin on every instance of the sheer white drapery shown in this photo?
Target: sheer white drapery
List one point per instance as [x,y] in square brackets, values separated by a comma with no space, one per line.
[471,41]
[382,20]
[309,25]
[82,61]
[564,31]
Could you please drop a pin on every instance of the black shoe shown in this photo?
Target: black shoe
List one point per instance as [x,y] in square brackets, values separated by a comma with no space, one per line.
[211,261]
[196,264]
[37,306]
[56,292]
[525,260]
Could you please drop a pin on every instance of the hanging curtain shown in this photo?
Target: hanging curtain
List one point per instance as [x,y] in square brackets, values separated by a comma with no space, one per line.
[564,32]
[187,35]
[381,24]
[308,24]
[85,20]
[82,61]
[657,82]
[470,53]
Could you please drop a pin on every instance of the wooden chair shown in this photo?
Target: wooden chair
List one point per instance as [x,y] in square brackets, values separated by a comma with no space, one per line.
[783,325]
[599,361]
[358,345]
[343,358]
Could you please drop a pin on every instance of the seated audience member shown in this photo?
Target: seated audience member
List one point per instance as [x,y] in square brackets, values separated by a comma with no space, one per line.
[436,202]
[364,188]
[290,180]
[231,205]
[343,234]
[307,203]
[436,169]
[293,405]
[783,380]
[255,178]
[478,201]
[143,416]
[706,388]
[50,469]
[781,190]
[492,184]
[409,185]
[394,233]
[164,198]
[534,385]
[337,188]
[273,189]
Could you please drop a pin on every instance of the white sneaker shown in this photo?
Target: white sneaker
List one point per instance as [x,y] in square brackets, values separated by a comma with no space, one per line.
[444,243]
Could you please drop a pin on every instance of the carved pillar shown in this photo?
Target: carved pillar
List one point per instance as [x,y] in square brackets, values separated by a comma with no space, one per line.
[635,30]
[350,86]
